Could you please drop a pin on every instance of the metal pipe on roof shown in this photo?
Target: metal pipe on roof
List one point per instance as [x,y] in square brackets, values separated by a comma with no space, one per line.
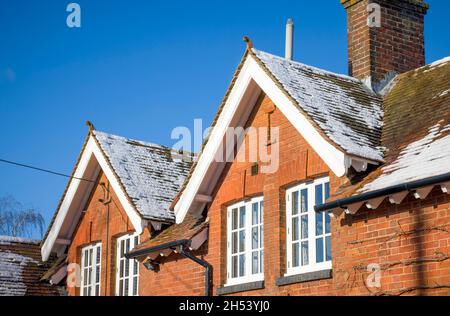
[289,53]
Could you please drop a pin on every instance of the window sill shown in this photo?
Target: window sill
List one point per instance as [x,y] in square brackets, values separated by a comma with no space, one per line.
[240,288]
[305,277]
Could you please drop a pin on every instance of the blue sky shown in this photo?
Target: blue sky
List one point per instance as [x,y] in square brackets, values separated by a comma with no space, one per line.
[140,69]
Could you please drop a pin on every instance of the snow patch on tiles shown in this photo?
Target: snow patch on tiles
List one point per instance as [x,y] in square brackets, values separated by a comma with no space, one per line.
[442,94]
[148,173]
[440,62]
[421,159]
[8,240]
[348,112]
[12,266]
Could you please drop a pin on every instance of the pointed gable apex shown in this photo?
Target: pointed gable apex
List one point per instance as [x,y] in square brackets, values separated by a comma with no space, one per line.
[144,177]
[255,76]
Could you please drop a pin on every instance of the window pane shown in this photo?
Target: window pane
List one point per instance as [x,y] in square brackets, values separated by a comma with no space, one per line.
[135,267]
[255,238]
[97,290]
[261,261]
[255,263]
[255,214]
[135,286]
[295,255]
[122,248]
[126,287]
[241,241]
[319,194]
[319,223]
[261,236]
[234,218]
[98,254]
[305,254]
[241,265]
[97,274]
[295,235]
[127,268]
[90,256]
[295,203]
[327,190]
[319,250]
[234,242]
[328,248]
[234,266]
[261,211]
[86,254]
[85,277]
[242,217]
[304,226]
[121,288]
[304,201]
[327,223]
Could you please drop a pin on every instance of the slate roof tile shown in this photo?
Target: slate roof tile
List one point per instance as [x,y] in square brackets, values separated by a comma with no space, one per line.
[21,269]
[149,173]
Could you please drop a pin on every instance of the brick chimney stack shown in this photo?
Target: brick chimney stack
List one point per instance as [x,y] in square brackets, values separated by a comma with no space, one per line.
[385,37]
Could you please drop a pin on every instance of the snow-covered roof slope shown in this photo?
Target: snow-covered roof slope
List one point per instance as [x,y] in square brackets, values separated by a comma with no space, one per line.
[348,112]
[425,158]
[416,130]
[21,269]
[148,173]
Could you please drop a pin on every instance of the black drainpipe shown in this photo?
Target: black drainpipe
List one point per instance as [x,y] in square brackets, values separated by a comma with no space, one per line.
[203,263]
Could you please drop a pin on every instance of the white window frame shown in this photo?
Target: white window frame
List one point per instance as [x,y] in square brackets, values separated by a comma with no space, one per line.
[312,265]
[132,279]
[90,269]
[248,275]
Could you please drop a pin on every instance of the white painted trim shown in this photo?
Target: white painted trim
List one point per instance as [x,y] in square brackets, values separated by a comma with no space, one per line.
[93,265]
[131,275]
[337,160]
[248,276]
[91,149]
[312,265]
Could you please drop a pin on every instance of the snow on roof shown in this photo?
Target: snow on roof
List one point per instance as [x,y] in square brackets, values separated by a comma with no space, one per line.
[21,269]
[348,112]
[8,240]
[147,171]
[421,159]
[440,62]
[11,269]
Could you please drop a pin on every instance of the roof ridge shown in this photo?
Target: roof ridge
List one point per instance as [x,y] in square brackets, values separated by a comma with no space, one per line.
[141,142]
[314,68]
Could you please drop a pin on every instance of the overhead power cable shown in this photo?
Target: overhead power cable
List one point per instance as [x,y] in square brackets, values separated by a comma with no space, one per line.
[43,170]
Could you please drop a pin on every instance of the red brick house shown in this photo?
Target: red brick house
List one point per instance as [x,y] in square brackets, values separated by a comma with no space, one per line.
[348,193]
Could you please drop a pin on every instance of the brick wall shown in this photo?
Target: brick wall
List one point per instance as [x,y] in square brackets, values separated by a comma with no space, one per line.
[94,227]
[410,242]
[396,46]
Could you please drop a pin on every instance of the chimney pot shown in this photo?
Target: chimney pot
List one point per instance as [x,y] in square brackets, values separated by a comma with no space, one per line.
[289,53]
